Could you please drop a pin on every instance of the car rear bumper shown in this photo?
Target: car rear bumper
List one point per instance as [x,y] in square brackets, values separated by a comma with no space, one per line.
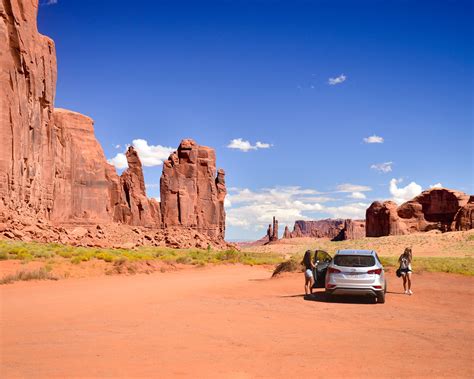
[353,291]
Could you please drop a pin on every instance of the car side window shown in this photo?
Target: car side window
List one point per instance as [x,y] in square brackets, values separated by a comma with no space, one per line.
[377,257]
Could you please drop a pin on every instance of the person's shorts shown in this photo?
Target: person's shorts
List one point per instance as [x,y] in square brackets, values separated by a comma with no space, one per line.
[405,271]
[308,274]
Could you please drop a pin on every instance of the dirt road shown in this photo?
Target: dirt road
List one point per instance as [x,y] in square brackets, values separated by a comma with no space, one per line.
[233,322]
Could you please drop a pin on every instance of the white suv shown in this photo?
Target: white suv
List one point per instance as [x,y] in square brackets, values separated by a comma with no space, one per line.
[356,272]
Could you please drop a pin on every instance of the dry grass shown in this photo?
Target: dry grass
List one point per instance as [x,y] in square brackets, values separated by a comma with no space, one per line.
[40,274]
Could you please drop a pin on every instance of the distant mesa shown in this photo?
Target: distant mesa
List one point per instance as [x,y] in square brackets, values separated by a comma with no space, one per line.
[333,229]
[55,182]
[435,209]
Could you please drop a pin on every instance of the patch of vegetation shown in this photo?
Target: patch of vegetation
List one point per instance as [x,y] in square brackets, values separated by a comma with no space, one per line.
[41,274]
[291,265]
[47,252]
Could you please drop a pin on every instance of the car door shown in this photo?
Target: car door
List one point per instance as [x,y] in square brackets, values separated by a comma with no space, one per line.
[321,260]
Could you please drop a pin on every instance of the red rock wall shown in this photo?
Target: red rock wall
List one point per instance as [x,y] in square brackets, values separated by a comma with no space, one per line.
[81,185]
[27,90]
[328,228]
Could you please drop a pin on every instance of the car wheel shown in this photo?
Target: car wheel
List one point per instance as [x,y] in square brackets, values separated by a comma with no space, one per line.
[381,297]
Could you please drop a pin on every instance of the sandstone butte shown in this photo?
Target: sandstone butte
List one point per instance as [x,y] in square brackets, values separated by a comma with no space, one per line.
[334,229]
[55,182]
[436,209]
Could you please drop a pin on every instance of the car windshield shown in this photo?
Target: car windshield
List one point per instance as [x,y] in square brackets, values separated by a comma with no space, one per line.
[354,260]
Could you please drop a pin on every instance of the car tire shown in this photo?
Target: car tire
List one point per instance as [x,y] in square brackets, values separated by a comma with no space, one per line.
[381,297]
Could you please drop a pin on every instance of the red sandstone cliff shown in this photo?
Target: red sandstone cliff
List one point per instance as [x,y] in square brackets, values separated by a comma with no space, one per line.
[53,170]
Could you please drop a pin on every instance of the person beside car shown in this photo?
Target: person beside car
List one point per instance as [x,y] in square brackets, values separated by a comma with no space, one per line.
[405,269]
[308,272]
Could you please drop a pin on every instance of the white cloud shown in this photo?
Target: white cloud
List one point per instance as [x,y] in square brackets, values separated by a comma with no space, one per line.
[244,145]
[347,187]
[119,161]
[357,195]
[118,146]
[338,80]
[50,2]
[247,208]
[354,211]
[374,139]
[150,155]
[402,194]
[382,167]
[437,185]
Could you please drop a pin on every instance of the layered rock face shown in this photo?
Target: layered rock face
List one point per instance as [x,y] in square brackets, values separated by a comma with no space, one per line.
[334,229]
[53,172]
[81,187]
[27,90]
[438,208]
[192,195]
[328,228]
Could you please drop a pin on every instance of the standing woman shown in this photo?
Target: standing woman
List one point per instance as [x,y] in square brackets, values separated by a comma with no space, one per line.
[308,272]
[405,269]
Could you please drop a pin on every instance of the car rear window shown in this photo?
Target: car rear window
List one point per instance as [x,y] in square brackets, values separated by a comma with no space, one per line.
[354,260]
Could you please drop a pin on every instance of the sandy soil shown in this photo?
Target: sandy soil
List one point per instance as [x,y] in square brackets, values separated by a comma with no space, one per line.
[232,321]
[431,244]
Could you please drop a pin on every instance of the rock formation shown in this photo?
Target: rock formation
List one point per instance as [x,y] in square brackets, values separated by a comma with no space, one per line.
[437,208]
[191,193]
[287,233]
[272,231]
[53,170]
[141,210]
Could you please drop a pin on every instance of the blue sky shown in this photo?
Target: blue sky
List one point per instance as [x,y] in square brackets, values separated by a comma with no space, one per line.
[308,80]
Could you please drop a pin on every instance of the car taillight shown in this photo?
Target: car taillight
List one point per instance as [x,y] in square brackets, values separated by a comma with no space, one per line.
[329,286]
[333,270]
[376,272]
[378,287]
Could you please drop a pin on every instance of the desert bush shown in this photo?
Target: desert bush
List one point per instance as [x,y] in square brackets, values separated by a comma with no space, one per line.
[291,265]
[41,274]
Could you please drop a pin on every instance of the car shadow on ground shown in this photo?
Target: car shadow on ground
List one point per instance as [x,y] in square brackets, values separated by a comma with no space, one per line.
[322,297]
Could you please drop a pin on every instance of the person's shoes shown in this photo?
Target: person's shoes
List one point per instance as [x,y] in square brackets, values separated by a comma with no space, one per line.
[410,292]
[406,292]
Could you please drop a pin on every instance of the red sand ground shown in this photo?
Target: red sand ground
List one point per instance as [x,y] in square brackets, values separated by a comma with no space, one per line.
[233,322]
